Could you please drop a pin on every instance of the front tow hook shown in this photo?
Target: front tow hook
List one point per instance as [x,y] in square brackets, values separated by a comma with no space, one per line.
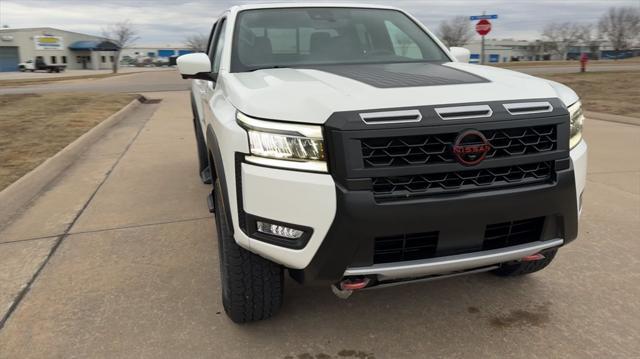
[346,287]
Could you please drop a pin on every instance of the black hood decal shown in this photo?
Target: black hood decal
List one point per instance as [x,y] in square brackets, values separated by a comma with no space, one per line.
[403,74]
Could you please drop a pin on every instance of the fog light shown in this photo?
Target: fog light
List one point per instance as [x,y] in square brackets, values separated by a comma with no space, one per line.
[277,230]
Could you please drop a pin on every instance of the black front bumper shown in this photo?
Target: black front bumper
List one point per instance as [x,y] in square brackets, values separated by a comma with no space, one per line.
[460,219]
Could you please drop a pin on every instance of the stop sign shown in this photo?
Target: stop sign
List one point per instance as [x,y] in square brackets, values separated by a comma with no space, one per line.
[483,27]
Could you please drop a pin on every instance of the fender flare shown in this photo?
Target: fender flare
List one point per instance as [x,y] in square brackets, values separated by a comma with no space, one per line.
[216,157]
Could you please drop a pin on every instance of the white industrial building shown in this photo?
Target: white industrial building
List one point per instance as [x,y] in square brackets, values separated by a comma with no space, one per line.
[504,51]
[75,50]
[507,50]
[141,54]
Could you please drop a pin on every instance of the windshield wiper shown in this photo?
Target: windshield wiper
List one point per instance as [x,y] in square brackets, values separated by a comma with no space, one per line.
[268,67]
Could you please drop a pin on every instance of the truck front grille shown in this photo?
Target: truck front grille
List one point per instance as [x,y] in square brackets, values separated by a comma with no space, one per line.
[383,152]
[405,247]
[512,233]
[461,181]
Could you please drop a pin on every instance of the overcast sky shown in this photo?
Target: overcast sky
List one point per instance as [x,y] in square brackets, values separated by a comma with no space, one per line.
[162,22]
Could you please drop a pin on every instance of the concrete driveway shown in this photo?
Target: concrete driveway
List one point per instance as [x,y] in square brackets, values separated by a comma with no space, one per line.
[121,259]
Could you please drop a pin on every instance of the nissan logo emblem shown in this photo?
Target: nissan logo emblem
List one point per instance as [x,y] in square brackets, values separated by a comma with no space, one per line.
[471,147]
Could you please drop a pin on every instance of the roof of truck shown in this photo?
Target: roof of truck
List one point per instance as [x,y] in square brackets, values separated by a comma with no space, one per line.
[311,4]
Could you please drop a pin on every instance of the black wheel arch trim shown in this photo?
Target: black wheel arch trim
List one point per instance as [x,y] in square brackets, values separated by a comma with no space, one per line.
[194,109]
[214,150]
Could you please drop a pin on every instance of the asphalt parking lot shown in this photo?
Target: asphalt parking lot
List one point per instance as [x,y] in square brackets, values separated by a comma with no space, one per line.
[136,82]
[16,75]
[166,79]
[133,270]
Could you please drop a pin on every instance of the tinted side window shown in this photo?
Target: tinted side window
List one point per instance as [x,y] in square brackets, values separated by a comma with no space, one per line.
[215,68]
[211,35]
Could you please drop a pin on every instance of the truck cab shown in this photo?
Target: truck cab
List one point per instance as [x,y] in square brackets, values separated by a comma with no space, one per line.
[39,65]
[348,147]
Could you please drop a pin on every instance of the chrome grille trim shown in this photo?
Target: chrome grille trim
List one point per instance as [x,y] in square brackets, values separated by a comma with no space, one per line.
[527,108]
[389,117]
[464,112]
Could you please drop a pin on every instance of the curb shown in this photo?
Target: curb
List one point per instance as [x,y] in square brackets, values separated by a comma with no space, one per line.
[613,118]
[21,192]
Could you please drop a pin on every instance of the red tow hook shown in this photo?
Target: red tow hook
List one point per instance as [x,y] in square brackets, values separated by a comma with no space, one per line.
[354,283]
[533,257]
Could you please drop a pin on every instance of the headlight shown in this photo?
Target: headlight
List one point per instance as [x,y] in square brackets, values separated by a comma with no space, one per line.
[576,118]
[281,144]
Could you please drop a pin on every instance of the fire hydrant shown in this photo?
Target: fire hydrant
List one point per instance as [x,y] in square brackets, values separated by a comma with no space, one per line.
[584,58]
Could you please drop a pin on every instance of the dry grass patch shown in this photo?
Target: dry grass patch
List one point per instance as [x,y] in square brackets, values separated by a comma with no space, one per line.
[576,63]
[616,93]
[35,127]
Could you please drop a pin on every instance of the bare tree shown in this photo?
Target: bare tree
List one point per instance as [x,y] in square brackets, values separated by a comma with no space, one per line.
[563,35]
[123,34]
[456,31]
[620,25]
[538,49]
[590,38]
[197,42]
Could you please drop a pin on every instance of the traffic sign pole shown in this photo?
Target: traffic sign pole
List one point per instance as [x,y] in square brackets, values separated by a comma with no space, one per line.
[482,28]
[482,51]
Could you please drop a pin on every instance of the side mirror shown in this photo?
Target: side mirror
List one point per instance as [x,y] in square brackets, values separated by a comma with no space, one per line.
[460,53]
[195,66]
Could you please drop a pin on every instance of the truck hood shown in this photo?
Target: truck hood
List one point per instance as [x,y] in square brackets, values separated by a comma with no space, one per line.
[311,95]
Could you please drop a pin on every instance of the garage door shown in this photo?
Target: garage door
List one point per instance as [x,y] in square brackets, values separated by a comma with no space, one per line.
[9,59]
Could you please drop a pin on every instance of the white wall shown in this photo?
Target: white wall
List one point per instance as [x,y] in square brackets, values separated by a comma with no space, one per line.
[23,39]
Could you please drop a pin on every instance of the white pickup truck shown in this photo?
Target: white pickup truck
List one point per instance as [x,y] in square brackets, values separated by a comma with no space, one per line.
[347,146]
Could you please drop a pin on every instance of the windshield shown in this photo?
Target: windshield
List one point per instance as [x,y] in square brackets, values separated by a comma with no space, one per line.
[267,38]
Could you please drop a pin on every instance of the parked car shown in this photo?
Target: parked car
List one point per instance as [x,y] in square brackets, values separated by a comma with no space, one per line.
[347,146]
[40,65]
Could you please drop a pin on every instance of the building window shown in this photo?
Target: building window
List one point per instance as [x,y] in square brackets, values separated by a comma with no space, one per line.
[103,58]
[54,59]
[64,59]
[111,58]
[79,59]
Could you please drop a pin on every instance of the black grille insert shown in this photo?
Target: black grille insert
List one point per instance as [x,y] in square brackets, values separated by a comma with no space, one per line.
[428,149]
[501,235]
[459,181]
[405,247]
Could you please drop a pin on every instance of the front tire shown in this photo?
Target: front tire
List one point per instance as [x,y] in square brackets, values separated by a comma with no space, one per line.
[252,287]
[523,268]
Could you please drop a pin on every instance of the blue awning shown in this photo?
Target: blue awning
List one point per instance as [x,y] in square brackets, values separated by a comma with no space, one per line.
[90,45]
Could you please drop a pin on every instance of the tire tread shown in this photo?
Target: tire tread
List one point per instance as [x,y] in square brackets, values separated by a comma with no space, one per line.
[255,284]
